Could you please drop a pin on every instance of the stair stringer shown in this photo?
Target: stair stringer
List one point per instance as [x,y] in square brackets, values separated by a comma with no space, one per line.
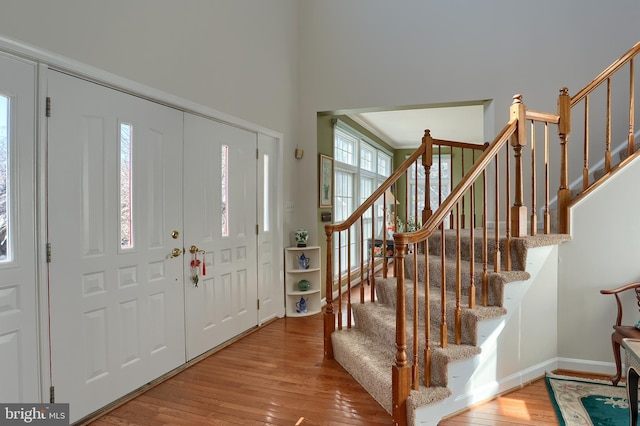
[515,348]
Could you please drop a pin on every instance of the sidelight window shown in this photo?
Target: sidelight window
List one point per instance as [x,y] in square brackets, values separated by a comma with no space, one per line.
[4,178]
[225,190]
[126,208]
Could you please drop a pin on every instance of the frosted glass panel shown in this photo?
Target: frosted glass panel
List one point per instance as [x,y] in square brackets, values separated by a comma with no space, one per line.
[225,190]
[126,230]
[4,178]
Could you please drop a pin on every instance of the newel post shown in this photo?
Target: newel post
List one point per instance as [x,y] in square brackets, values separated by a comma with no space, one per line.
[400,373]
[329,315]
[564,130]
[518,141]
[427,162]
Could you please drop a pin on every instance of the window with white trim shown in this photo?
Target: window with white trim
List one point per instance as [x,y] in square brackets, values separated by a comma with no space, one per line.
[360,167]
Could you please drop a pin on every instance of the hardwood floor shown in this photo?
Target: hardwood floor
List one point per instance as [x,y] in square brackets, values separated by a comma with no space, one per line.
[274,376]
[277,376]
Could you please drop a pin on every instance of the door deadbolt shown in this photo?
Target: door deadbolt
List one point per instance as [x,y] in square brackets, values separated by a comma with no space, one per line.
[175,235]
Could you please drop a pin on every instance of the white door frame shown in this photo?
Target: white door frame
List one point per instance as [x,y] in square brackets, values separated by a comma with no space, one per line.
[47,60]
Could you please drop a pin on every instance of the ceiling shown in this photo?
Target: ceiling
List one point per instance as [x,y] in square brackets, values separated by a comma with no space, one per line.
[404,128]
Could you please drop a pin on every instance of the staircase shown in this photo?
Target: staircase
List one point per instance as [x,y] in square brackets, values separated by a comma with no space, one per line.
[366,349]
[441,334]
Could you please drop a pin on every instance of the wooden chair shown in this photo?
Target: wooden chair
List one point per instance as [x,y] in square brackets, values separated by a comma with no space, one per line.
[622,331]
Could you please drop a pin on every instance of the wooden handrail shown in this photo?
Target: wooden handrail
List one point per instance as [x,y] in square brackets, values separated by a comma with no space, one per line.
[463,145]
[543,117]
[604,75]
[403,239]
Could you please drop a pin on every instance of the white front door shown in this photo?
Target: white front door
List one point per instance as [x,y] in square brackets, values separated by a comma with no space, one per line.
[114,219]
[220,225]
[19,371]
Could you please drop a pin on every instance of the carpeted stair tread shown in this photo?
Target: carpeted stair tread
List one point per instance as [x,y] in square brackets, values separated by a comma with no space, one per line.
[496,280]
[370,365]
[470,317]
[377,323]
[519,246]
[367,351]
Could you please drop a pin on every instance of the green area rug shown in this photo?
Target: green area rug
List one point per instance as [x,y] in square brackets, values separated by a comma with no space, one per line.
[588,402]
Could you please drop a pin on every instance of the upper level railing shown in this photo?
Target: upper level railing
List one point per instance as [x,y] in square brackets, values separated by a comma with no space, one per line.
[606,103]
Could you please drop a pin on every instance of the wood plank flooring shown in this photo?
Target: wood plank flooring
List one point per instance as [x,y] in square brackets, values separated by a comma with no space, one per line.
[274,376]
[277,376]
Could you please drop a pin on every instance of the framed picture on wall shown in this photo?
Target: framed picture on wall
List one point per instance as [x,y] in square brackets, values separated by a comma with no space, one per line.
[326,181]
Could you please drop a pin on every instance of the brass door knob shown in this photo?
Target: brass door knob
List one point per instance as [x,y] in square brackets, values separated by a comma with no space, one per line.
[176,252]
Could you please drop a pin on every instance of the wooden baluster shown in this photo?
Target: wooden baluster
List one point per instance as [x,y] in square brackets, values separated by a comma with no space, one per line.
[518,213]
[395,226]
[349,278]
[415,369]
[415,193]
[547,212]
[340,280]
[439,176]
[329,314]
[372,257]
[427,162]
[362,252]
[534,216]
[400,372]
[384,233]
[472,248]
[631,108]
[462,217]
[458,310]
[564,130]
[507,221]
[452,163]
[607,155]
[406,200]
[585,166]
[485,243]
[496,253]
[427,315]
[443,289]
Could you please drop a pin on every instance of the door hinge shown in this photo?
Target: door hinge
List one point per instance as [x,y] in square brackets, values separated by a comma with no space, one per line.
[52,395]
[258,303]
[48,252]
[48,107]
[257,154]
[257,229]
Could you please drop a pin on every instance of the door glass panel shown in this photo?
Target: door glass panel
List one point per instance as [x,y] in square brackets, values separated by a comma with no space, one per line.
[126,224]
[266,196]
[225,190]
[4,178]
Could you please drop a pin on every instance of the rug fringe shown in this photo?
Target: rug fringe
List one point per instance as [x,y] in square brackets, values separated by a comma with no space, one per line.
[582,379]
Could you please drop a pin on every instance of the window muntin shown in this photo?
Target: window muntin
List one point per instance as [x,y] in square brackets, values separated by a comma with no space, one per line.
[126,184]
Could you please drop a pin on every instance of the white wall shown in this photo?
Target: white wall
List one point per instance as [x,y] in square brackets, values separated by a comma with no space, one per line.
[604,253]
[237,57]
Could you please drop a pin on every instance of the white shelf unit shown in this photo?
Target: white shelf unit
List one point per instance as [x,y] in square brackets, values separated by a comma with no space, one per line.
[294,274]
